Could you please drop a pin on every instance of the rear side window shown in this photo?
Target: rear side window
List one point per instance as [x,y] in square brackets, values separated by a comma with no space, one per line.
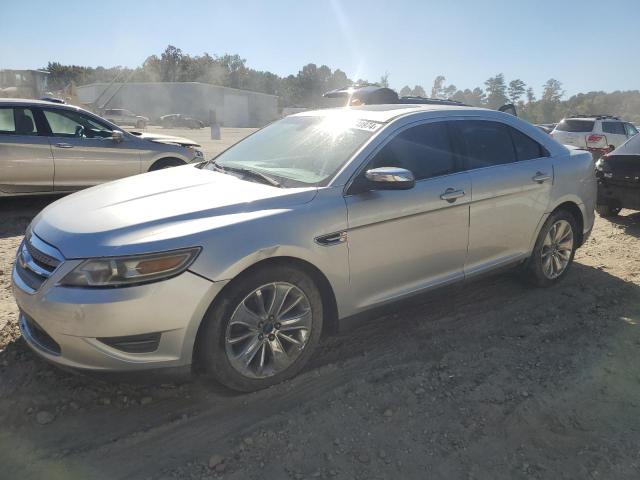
[526,147]
[424,149]
[575,126]
[617,128]
[486,143]
[17,121]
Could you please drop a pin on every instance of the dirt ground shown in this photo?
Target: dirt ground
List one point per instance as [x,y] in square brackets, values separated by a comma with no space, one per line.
[494,380]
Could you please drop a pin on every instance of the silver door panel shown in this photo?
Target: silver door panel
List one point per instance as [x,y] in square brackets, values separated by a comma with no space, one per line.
[26,164]
[82,162]
[508,202]
[402,242]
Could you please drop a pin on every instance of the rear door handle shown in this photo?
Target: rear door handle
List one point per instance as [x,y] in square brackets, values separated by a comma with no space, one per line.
[451,195]
[541,177]
[64,145]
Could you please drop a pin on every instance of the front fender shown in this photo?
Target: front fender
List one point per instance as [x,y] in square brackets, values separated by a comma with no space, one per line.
[283,233]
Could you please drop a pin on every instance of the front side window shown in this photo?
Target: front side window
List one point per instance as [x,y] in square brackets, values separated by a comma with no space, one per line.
[631,130]
[17,121]
[616,128]
[425,150]
[67,123]
[486,143]
[299,151]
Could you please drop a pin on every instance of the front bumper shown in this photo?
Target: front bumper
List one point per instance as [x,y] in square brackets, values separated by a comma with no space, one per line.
[75,327]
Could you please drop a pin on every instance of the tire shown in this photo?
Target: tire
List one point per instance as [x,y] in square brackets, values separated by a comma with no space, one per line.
[166,163]
[220,353]
[607,210]
[537,268]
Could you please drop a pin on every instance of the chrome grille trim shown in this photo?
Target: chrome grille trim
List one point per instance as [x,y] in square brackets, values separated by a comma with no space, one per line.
[35,263]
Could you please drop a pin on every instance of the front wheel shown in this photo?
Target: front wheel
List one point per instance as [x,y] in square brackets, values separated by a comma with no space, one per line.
[263,329]
[554,250]
[607,210]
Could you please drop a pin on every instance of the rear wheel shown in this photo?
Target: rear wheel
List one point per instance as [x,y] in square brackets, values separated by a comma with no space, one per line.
[607,210]
[263,329]
[554,250]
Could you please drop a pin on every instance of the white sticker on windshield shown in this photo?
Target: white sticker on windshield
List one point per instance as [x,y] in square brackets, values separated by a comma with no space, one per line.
[367,125]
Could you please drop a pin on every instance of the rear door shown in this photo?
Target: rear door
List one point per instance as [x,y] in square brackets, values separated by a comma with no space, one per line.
[511,178]
[615,132]
[84,152]
[26,164]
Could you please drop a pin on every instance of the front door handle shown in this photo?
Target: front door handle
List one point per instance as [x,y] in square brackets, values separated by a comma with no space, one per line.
[541,177]
[451,195]
[64,145]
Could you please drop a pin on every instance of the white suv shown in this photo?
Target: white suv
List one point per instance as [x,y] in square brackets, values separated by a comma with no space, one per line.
[597,133]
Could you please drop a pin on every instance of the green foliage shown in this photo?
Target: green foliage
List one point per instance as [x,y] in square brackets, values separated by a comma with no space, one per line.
[418,91]
[516,90]
[307,86]
[496,91]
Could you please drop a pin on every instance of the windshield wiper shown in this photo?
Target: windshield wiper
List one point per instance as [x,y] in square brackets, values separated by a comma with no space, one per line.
[247,173]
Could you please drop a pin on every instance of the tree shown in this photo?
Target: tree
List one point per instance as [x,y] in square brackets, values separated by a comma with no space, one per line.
[552,90]
[418,91]
[496,91]
[516,90]
[531,97]
[384,80]
[170,64]
[437,90]
[406,91]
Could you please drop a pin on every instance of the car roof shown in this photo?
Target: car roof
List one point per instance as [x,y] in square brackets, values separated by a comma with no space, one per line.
[385,112]
[28,101]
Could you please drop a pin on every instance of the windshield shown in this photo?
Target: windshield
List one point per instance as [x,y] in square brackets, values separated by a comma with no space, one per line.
[299,151]
[575,126]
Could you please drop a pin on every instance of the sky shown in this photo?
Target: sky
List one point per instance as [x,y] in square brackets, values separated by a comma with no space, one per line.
[414,41]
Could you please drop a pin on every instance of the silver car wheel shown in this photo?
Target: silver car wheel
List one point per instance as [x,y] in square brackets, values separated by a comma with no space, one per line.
[557,249]
[268,330]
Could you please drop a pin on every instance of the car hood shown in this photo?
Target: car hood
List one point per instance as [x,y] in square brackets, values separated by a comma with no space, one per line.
[163,210]
[160,138]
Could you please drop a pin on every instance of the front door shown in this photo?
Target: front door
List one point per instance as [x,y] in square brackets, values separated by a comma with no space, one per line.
[404,241]
[84,152]
[26,164]
[511,178]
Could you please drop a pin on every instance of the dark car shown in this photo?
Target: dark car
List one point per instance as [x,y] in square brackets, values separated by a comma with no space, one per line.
[177,120]
[618,176]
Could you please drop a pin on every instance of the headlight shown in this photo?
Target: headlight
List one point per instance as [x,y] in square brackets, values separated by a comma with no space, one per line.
[136,269]
[195,151]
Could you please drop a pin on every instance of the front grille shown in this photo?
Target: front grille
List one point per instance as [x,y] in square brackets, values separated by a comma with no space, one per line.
[36,261]
[37,336]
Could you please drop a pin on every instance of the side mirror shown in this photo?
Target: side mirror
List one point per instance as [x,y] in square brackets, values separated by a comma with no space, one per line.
[117,136]
[79,131]
[390,178]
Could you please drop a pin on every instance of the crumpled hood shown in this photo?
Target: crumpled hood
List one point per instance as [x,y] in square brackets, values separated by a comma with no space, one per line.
[160,138]
[163,210]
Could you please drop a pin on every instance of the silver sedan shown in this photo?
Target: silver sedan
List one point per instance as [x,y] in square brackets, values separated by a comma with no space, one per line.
[48,147]
[243,262]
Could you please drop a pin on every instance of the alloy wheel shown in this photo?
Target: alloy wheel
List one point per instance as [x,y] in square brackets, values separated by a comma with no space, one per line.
[557,249]
[268,330]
